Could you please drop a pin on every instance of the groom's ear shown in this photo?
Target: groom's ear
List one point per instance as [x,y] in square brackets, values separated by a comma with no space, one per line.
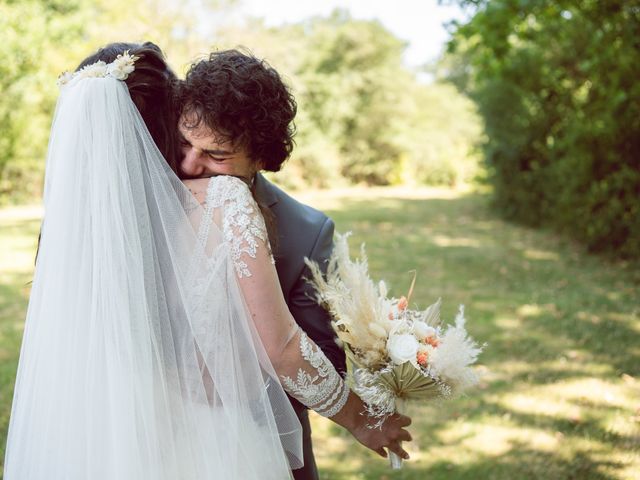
[259,165]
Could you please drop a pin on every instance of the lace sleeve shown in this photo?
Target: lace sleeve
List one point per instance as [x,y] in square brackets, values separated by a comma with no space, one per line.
[303,368]
[243,226]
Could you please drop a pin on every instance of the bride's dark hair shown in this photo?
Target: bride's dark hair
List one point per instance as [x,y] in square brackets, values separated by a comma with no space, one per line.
[151,86]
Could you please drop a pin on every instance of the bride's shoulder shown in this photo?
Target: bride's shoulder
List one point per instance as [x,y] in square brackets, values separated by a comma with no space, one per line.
[197,187]
[230,182]
[223,188]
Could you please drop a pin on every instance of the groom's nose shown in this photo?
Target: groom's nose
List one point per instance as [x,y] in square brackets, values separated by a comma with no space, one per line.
[190,160]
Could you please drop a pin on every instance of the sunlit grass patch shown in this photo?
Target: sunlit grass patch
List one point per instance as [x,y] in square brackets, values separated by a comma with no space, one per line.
[18,238]
[562,330]
[559,396]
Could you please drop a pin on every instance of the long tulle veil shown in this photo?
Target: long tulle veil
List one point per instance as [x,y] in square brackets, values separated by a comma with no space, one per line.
[139,360]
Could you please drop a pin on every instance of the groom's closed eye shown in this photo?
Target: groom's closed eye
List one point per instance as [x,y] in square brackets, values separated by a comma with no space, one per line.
[218,154]
[214,154]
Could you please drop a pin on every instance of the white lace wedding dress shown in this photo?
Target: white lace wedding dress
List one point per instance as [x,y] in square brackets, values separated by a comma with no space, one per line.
[157,341]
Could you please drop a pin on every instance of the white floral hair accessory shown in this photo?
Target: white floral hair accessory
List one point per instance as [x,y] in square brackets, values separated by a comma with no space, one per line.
[120,69]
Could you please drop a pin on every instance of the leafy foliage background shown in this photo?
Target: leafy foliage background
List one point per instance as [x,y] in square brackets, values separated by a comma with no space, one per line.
[536,99]
[363,116]
[556,85]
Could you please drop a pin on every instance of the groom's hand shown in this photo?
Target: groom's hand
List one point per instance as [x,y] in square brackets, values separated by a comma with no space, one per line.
[390,435]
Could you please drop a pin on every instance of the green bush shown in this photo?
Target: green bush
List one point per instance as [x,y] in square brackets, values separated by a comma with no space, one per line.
[556,85]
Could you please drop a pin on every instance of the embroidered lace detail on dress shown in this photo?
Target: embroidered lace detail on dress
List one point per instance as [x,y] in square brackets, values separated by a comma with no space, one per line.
[200,273]
[242,222]
[207,220]
[318,385]
[323,390]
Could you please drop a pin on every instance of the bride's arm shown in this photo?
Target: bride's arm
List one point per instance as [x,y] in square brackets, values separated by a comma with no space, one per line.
[304,370]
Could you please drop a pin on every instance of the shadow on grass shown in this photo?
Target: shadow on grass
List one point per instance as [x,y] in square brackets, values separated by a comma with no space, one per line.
[463,253]
[524,463]
[514,459]
[541,304]
[537,300]
[521,463]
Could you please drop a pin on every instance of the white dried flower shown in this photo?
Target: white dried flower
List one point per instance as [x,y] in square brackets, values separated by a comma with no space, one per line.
[402,348]
[95,70]
[64,78]
[122,66]
[452,359]
[422,330]
[382,288]
[400,327]
[119,69]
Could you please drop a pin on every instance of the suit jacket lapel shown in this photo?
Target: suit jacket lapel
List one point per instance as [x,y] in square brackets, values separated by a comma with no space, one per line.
[264,191]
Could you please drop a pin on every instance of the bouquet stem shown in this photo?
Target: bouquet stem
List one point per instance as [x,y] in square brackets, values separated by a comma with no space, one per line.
[395,461]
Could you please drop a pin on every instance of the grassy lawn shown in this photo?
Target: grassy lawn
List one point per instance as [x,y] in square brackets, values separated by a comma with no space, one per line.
[19,229]
[560,395]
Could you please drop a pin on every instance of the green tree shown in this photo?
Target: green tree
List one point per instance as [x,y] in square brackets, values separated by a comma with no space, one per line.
[34,34]
[556,84]
[354,82]
[363,116]
[41,38]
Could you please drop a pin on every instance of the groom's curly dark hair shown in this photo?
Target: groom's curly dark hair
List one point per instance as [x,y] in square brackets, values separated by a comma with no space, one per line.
[243,99]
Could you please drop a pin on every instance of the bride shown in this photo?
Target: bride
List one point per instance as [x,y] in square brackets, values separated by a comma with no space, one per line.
[157,343]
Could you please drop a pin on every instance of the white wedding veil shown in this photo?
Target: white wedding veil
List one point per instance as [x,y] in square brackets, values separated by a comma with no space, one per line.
[139,361]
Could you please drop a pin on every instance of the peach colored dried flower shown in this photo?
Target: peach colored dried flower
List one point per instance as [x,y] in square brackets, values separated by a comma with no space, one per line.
[402,304]
[433,341]
[422,358]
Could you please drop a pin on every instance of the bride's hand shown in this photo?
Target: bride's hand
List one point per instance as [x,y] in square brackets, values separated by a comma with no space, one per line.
[354,418]
[390,435]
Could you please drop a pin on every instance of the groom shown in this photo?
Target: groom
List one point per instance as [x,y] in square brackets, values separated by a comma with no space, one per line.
[237,119]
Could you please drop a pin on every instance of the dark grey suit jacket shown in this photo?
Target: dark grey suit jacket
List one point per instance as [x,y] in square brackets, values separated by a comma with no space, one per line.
[301,232]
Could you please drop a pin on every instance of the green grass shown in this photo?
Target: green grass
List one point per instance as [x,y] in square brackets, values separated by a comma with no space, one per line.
[560,396]
[19,229]
[560,390]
